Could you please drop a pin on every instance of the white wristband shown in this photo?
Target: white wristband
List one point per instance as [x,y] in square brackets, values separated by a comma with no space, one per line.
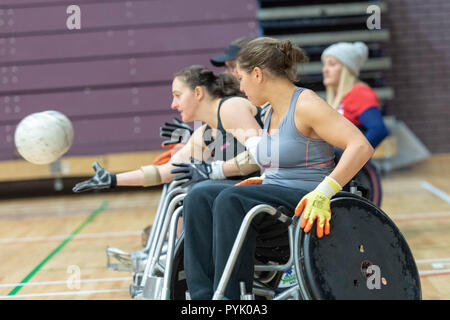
[251,144]
[329,187]
[217,170]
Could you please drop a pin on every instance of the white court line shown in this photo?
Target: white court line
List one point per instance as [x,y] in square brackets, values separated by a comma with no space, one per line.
[433,260]
[437,270]
[78,236]
[428,272]
[44,283]
[438,192]
[408,216]
[50,294]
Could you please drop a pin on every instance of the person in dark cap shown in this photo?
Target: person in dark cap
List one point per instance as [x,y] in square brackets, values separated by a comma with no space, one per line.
[227,59]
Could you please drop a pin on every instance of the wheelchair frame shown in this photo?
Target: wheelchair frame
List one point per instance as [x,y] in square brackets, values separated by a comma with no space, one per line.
[149,262]
[153,265]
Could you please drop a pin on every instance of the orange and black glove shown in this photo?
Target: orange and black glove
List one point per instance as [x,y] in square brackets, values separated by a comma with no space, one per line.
[165,157]
[252,180]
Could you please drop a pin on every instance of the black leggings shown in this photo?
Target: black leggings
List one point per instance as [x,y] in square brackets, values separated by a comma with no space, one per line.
[212,216]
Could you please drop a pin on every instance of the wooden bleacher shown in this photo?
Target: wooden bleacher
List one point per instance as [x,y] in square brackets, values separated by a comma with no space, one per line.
[314,25]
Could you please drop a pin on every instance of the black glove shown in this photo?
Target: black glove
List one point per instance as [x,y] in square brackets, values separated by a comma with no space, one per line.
[102,179]
[194,172]
[177,132]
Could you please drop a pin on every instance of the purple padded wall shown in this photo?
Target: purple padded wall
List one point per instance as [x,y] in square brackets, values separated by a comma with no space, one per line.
[111,78]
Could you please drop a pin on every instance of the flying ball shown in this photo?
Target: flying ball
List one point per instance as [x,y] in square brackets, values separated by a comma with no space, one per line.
[43,137]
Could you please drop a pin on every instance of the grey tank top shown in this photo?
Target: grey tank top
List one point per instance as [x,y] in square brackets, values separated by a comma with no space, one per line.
[289,158]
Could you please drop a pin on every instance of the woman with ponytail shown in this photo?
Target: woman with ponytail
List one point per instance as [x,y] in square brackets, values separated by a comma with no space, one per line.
[296,152]
[215,150]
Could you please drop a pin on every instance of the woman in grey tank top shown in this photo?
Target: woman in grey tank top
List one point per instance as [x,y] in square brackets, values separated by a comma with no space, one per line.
[295,149]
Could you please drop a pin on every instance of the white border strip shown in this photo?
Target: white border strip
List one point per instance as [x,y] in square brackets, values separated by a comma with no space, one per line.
[71,293]
[438,192]
[45,283]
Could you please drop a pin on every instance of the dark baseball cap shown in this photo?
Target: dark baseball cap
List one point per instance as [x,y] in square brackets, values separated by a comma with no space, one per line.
[230,54]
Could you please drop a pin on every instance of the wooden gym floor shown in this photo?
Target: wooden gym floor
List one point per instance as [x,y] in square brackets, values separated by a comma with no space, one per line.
[47,243]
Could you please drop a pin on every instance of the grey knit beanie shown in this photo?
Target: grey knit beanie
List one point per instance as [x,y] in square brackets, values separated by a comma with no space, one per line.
[353,55]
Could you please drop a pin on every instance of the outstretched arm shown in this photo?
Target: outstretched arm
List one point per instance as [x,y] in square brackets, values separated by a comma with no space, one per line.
[154,175]
[145,176]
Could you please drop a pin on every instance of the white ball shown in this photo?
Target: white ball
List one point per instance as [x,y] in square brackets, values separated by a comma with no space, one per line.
[43,137]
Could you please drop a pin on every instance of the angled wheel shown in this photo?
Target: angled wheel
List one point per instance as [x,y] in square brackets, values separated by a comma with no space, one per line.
[364,257]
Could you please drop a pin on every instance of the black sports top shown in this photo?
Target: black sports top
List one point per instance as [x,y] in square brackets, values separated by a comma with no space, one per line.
[225,146]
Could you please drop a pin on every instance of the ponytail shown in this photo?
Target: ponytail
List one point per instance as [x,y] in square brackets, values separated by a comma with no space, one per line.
[280,57]
[223,85]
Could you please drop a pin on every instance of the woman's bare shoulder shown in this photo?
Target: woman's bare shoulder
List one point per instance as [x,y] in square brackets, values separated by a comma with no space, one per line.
[309,101]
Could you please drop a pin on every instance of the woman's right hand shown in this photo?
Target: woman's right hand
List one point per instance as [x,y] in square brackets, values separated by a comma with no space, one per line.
[177,132]
[102,179]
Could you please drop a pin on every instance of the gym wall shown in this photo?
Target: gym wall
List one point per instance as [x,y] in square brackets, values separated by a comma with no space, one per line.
[112,77]
[420,51]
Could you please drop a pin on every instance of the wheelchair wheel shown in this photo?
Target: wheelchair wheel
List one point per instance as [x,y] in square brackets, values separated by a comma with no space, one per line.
[368,180]
[178,285]
[369,183]
[364,257]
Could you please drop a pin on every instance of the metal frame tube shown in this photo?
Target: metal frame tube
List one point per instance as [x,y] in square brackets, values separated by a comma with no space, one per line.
[219,293]
[162,218]
[154,256]
[159,218]
[165,295]
[157,214]
[137,259]
[289,293]
[289,263]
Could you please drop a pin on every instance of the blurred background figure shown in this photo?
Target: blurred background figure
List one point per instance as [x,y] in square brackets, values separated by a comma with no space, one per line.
[347,94]
[227,59]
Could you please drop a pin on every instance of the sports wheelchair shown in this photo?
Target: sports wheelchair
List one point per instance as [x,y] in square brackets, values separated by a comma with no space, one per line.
[136,262]
[368,182]
[367,179]
[364,257]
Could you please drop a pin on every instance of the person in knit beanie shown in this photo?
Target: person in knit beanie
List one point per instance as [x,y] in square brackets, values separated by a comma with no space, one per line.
[347,94]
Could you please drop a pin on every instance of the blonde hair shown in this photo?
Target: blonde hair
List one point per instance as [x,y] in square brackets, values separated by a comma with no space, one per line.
[346,82]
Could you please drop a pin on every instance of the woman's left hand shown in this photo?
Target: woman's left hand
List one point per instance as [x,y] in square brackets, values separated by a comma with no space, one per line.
[314,206]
